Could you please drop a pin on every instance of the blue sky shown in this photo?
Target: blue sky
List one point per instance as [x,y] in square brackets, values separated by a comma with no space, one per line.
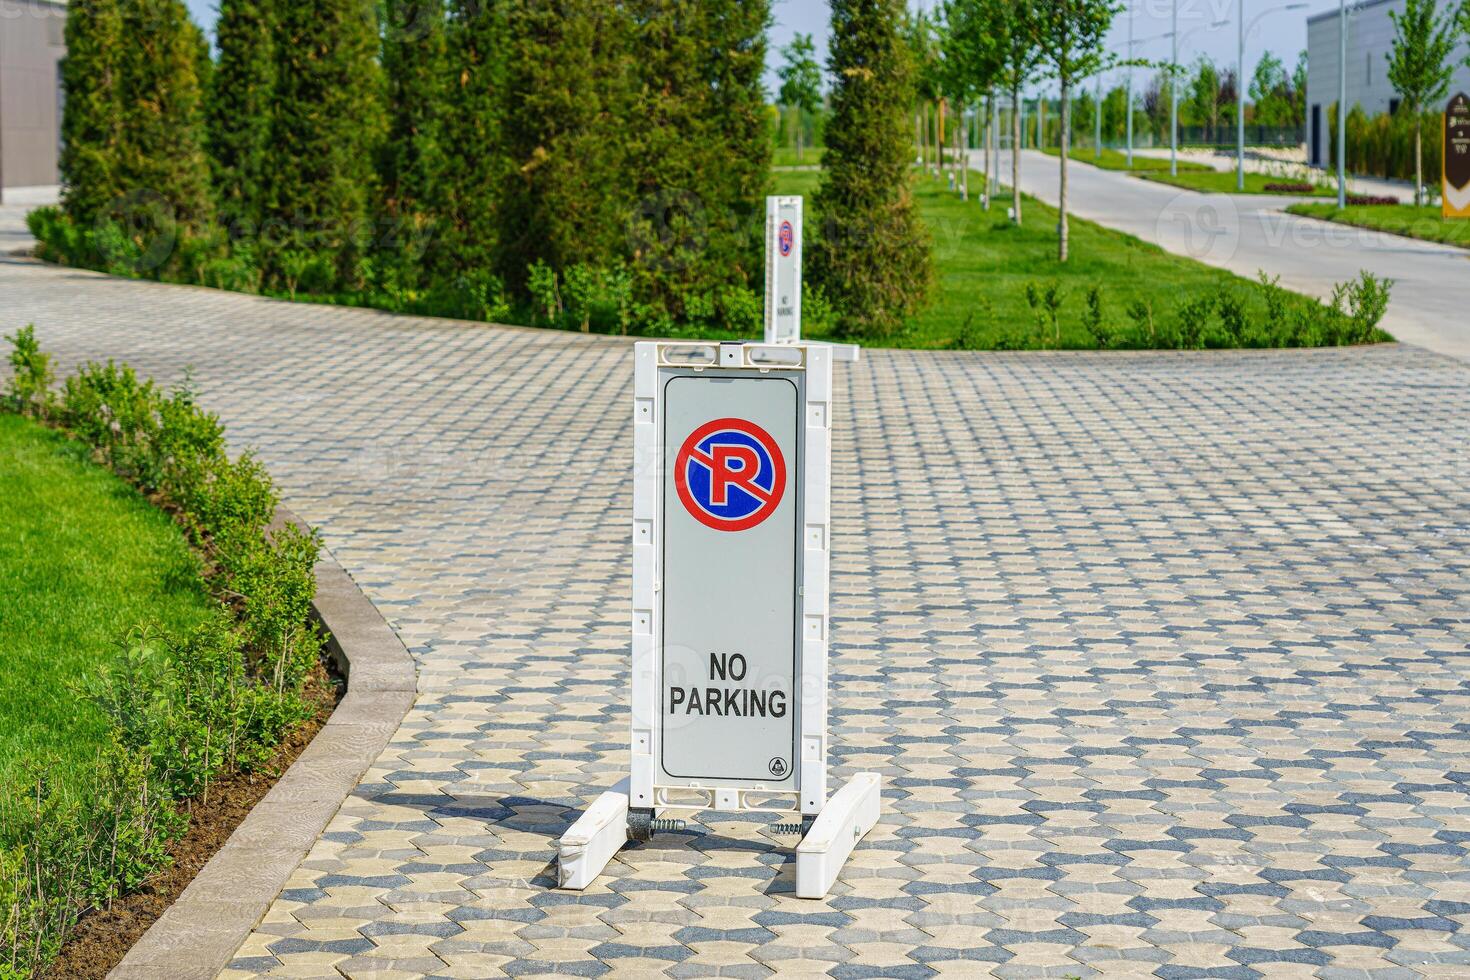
[1283,32]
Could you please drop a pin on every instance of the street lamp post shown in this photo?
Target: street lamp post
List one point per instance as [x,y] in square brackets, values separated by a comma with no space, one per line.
[1341,104]
[1129,112]
[1240,86]
[1097,121]
[1240,103]
[1132,44]
[1174,94]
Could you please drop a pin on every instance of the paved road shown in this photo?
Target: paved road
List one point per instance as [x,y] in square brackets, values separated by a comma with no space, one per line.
[1163,657]
[1248,233]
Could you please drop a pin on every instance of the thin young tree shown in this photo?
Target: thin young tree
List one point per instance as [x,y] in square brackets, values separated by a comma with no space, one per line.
[919,32]
[1419,66]
[1015,24]
[1071,36]
[801,85]
[973,59]
[872,254]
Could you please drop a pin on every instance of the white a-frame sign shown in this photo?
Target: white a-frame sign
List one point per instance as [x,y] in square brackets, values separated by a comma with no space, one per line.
[731,556]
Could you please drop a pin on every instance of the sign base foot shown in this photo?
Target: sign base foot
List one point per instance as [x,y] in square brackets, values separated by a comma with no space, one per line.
[846,819]
[590,843]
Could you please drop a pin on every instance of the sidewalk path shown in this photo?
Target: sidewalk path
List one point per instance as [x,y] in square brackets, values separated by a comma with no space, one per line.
[1249,233]
[1163,657]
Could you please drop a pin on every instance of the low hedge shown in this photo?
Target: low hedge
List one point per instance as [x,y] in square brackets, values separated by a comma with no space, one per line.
[183,709]
[1257,314]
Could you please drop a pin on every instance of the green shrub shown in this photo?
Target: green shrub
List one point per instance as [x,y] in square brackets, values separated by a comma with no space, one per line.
[182,709]
[1364,302]
[31,375]
[1092,319]
[541,281]
[111,409]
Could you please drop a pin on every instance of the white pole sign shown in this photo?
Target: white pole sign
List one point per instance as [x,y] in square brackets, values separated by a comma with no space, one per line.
[731,538]
[783,270]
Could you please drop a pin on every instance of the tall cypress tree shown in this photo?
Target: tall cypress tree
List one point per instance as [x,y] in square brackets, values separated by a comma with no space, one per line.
[413,167]
[162,143]
[566,134]
[91,127]
[872,254]
[699,153]
[327,128]
[474,160]
[241,109]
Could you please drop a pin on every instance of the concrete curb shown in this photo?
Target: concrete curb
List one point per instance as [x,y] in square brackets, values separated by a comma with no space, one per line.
[200,933]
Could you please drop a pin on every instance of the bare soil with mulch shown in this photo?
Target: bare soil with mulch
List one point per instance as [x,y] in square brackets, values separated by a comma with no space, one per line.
[104,936]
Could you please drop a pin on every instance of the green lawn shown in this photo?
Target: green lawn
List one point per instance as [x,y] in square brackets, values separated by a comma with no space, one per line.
[84,559]
[1118,160]
[785,156]
[1398,219]
[984,263]
[1216,182]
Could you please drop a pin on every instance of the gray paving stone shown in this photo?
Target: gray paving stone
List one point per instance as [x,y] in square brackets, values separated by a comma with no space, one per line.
[1164,657]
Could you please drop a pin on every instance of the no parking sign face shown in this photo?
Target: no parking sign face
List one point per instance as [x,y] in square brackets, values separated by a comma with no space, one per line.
[731,571]
[730,474]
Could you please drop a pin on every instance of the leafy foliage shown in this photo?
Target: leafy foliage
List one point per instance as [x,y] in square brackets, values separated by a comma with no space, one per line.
[1419,66]
[1262,314]
[31,375]
[182,708]
[240,112]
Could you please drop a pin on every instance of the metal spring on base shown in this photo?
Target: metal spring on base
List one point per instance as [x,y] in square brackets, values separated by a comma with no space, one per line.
[788,829]
[665,826]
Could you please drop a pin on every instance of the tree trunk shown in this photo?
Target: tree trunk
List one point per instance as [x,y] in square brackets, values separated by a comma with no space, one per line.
[919,133]
[962,149]
[1016,154]
[1062,192]
[1419,156]
[987,133]
[939,136]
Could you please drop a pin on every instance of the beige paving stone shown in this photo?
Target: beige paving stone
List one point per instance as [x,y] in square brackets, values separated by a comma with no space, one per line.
[1185,624]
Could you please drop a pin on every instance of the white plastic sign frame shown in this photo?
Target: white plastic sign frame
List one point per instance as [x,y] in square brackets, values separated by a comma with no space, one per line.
[809,488]
[829,831]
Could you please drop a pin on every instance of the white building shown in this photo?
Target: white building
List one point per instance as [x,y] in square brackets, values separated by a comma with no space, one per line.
[1370,35]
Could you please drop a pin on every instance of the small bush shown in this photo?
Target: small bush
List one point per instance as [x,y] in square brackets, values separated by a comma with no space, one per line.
[182,709]
[1300,188]
[31,375]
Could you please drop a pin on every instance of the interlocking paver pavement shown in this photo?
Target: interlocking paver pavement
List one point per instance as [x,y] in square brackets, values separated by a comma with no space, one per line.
[1165,658]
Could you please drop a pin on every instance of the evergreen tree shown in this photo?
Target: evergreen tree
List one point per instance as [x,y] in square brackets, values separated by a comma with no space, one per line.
[133,127]
[565,200]
[872,255]
[91,76]
[161,150]
[475,166]
[241,110]
[698,148]
[414,162]
[326,131]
